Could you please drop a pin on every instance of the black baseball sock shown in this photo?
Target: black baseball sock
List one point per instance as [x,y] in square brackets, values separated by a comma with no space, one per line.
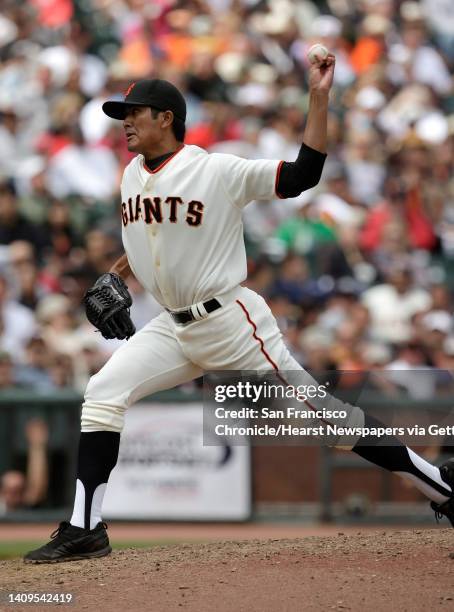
[98,454]
[388,452]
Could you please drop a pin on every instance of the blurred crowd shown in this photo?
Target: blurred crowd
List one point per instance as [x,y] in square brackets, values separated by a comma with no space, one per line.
[359,271]
[26,486]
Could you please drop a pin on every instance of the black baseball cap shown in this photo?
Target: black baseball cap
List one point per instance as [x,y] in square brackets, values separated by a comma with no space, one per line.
[155,93]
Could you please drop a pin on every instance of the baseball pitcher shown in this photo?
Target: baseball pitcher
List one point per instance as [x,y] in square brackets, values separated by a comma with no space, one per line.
[181,216]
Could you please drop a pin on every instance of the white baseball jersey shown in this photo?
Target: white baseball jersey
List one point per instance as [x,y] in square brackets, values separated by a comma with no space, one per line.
[183,235]
[182,225]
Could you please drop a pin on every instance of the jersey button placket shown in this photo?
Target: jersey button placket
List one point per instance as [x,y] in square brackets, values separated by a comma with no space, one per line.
[153,234]
[153,229]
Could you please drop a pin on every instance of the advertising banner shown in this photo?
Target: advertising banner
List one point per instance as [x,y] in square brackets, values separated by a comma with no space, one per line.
[165,473]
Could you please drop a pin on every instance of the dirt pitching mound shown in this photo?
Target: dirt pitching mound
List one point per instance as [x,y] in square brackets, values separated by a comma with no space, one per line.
[400,570]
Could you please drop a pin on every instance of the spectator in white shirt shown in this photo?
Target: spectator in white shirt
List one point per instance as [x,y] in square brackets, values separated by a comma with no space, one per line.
[392,305]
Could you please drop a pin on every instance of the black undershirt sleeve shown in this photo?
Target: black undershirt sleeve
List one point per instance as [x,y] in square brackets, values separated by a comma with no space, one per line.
[302,174]
[294,177]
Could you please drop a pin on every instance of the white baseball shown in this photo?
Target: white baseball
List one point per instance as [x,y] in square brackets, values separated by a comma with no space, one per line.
[317,53]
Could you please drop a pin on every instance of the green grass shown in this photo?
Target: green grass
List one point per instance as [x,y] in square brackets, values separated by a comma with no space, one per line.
[11,550]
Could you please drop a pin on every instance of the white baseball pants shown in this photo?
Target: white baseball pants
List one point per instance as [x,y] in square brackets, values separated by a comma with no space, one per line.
[242,335]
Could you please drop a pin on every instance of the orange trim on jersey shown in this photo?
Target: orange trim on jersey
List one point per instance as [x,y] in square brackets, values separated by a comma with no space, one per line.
[166,161]
[278,173]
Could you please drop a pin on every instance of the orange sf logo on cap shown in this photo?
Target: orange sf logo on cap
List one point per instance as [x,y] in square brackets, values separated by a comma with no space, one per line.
[128,91]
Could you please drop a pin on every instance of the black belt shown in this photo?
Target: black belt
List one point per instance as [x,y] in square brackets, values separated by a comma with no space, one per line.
[185,316]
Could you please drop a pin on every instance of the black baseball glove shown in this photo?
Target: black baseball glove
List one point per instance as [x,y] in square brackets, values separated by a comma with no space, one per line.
[107,306]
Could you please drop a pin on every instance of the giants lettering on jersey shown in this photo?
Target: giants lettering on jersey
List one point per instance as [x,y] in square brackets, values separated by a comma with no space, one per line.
[157,210]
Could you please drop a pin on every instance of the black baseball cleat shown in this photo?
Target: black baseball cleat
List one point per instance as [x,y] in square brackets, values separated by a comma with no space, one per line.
[69,543]
[447,507]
